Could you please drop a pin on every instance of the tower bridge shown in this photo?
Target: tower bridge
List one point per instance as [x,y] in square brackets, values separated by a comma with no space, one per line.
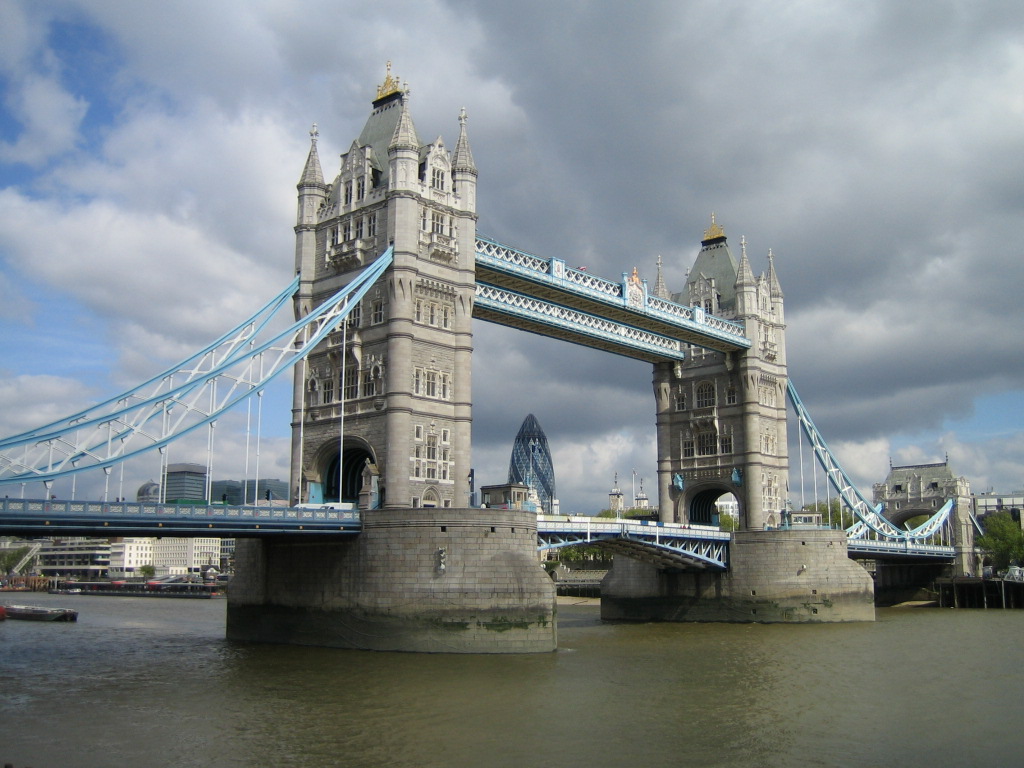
[381,358]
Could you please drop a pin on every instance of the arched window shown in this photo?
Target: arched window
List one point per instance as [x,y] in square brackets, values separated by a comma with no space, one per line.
[705,394]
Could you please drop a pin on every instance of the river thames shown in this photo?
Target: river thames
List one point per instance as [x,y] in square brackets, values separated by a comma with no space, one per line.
[152,682]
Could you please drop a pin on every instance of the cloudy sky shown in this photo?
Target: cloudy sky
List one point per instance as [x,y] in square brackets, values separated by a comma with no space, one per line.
[149,154]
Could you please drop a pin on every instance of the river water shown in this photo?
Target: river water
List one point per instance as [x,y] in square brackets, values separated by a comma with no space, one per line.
[147,683]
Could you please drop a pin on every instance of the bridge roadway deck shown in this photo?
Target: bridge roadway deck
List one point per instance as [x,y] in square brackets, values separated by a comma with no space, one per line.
[26,517]
[666,545]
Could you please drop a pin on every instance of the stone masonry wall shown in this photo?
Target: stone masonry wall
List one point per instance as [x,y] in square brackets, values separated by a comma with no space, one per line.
[774,576]
[428,580]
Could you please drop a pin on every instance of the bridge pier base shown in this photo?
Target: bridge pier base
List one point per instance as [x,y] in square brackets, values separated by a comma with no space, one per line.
[793,576]
[420,580]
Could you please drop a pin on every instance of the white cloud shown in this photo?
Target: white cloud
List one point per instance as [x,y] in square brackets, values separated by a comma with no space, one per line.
[875,147]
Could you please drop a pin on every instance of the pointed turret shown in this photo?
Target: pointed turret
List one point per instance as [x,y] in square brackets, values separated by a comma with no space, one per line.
[746,286]
[312,174]
[404,136]
[773,279]
[312,192]
[463,158]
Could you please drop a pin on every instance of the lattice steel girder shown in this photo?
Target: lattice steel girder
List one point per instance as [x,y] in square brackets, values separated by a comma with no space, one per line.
[528,313]
[552,281]
[193,395]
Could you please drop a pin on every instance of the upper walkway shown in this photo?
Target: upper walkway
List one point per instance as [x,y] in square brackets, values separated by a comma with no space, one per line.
[548,297]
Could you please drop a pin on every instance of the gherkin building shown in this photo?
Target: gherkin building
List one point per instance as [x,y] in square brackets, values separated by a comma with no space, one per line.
[531,462]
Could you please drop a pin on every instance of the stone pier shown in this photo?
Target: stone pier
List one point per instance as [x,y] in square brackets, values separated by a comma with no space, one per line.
[793,576]
[424,580]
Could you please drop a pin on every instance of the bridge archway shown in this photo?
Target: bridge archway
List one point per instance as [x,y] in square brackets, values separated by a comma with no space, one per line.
[700,507]
[343,477]
[904,513]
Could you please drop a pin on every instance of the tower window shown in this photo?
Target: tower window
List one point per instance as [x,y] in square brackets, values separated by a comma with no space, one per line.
[351,381]
[437,179]
[371,225]
[348,192]
[360,188]
[705,395]
[680,401]
[378,311]
[730,396]
[688,450]
[707,444]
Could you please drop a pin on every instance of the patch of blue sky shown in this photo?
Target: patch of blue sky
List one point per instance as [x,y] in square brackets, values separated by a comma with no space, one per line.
[995,416]
[96,77]
[61,339]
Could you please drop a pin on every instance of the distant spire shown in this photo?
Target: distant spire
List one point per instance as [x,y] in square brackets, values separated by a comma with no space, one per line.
[463,159]
[660,289]
[312,174]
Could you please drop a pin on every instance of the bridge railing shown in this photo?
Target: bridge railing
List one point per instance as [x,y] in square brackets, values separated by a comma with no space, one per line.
[126,510]
[599,526]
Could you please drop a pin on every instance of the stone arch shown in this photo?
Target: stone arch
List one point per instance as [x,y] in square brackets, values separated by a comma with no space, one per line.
[899,517]
[343,477]
[431,498]
[700,504]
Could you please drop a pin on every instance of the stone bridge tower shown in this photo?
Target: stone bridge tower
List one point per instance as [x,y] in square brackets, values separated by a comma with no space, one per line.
[918,491]
[721,418]
[381,417]
[382,410]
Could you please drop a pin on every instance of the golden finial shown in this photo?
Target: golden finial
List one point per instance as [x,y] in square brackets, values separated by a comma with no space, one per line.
[635,277]
[715,230]
[389,86]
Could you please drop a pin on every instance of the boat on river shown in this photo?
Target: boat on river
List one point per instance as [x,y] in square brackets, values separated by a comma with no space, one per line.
[40,613]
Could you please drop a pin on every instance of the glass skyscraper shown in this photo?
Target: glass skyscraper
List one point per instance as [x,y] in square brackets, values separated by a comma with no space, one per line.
[531,462]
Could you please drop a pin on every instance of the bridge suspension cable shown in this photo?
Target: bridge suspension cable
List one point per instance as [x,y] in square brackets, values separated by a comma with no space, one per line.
[184,398]
[870,520]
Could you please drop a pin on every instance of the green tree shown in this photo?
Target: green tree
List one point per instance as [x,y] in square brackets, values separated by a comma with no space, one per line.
[147,571]
[1003,540]
[833,510]
[10,558]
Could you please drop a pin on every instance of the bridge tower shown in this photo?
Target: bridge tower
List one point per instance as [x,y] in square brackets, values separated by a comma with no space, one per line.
[381,417]
[721,428]
[721,417]
[918,490]
[386,402]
